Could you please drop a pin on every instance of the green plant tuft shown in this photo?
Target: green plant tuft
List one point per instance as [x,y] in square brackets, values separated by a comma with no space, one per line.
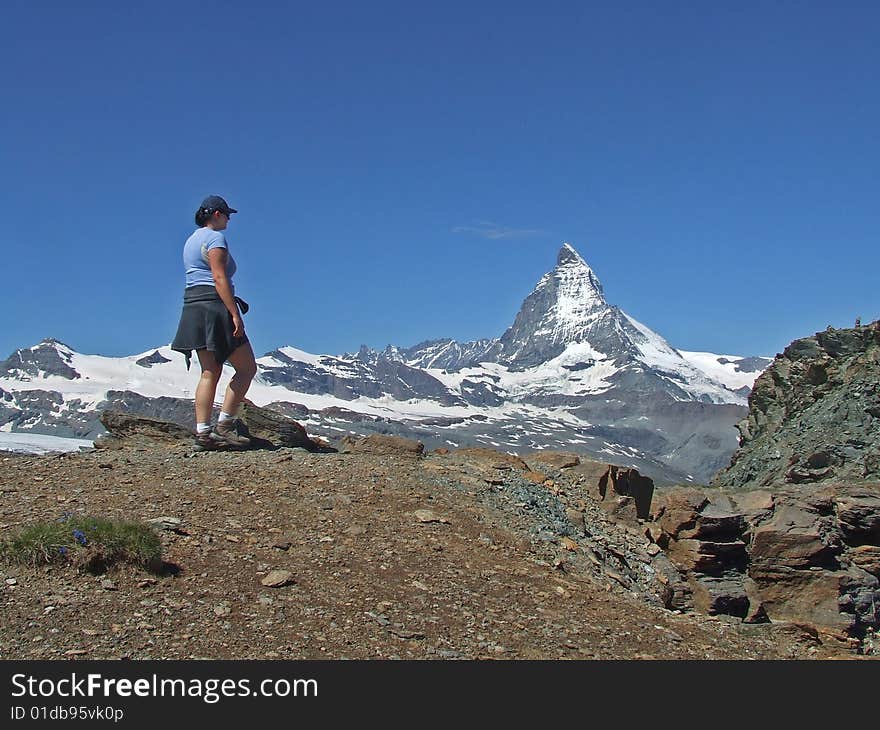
[91,542]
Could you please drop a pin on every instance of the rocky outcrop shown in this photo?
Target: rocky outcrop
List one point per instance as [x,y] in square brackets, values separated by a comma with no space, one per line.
[813,414]
[379,444]
[803,554]
[563,503]
[149,360]
[621,491]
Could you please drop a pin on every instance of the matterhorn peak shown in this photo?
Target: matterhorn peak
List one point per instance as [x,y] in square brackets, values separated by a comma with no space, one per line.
[576,280]
[565,307]
[568,255]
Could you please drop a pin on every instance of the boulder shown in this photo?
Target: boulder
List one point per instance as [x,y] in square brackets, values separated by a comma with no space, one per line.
[619,481]
[707,557]
[722,594]
[270,429]
[679,509]
[382,444]
[754,505]
[859,515]
[488,458]
[810,596]
[794,537]
[715,523]
[866,557]
[128,429]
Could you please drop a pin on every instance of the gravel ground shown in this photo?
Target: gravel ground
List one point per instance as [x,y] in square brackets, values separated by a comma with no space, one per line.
[492,570]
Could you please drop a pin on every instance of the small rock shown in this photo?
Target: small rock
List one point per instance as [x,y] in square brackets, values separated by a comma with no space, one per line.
[108,585]
[576,517]
[11,582]
[222,609]
[535,477]
[278,578]
[653,549]
[282,545]
[426,515]
[406,633]
[172,524]
[379,618]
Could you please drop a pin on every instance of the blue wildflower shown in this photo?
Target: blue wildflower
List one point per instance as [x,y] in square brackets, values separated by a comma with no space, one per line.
[63,551]
[80,537]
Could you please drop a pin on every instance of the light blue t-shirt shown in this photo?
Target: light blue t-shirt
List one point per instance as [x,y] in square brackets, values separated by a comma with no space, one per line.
[195,257]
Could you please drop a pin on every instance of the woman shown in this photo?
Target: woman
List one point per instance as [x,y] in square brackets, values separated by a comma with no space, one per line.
[211,325]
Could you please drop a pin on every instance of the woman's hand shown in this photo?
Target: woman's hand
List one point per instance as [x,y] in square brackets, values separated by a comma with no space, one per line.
[238,326]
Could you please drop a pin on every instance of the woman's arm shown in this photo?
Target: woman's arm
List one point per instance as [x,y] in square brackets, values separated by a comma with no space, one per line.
[217,259]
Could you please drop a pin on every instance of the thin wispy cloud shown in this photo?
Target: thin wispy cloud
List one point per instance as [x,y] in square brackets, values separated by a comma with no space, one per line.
[493,231]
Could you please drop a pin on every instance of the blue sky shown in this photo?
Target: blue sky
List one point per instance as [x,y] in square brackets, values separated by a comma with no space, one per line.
[407,171]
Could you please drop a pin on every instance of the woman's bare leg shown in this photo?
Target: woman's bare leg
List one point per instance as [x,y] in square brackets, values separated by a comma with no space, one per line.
[242,359]
[207,387]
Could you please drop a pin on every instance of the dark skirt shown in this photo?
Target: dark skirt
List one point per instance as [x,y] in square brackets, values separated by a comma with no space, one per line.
[205,324]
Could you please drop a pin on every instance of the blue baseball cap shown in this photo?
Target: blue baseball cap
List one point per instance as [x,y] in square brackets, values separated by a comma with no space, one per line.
[215,202]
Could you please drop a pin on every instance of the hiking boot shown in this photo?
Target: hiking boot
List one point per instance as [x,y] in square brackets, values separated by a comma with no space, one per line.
[205,442]
[225,433]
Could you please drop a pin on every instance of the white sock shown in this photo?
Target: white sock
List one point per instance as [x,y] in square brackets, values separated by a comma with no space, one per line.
[224,416]
[203,427]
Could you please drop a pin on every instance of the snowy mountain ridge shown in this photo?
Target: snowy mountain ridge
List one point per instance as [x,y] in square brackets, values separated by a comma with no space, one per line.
[572,372]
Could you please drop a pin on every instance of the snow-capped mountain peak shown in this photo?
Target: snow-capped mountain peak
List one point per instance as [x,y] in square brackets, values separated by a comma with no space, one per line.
[564,307]
[577,289]
[48,357]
